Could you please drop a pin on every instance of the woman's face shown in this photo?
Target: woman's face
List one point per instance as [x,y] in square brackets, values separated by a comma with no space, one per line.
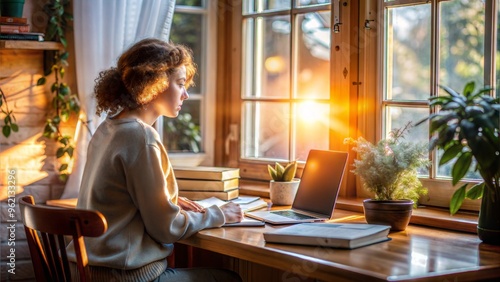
[170,101]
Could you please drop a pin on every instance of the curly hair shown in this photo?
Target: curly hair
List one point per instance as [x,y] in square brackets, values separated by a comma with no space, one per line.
[141,74]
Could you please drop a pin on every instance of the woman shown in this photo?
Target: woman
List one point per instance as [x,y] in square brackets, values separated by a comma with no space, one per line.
[128,176]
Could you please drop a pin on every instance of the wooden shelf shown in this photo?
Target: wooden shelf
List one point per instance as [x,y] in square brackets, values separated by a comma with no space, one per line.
[32,45]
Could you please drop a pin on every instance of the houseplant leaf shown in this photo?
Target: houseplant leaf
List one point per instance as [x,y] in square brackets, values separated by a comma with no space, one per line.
[461,167]
[41,81]
[272,172]
[475,192]
[6,130]
[289,171]
[279,171]
[457,199]
[450,153]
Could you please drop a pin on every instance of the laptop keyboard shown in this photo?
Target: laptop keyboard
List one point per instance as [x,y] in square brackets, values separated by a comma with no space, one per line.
[292,214]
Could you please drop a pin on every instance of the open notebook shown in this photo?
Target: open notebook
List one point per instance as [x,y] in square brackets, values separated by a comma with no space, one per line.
[246,203]
[317,193]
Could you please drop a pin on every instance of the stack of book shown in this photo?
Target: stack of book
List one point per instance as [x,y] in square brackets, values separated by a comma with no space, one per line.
[12,28]
[201,182]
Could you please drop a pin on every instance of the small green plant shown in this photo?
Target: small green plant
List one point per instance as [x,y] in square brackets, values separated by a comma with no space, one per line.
[280,173]
[389,168]
[9,119]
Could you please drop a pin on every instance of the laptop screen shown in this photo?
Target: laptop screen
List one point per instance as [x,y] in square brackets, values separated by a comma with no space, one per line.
[320,182]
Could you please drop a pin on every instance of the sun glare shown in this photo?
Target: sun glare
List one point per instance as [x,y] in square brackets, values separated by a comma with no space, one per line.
[310,112]
[274,64]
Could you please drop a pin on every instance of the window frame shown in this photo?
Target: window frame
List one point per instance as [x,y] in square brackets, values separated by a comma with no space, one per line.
[360,93]
[440,188]
[292,100]
[340,90]
[207,97]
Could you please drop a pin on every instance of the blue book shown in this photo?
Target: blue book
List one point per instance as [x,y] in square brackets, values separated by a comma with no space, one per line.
[30,36]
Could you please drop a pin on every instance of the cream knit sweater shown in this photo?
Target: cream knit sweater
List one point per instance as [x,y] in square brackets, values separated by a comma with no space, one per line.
[128,177]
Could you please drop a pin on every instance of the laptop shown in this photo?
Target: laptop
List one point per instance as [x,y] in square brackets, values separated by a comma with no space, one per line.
[317,193]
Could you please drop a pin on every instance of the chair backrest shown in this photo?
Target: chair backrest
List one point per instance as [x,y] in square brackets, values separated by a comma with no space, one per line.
[46,227]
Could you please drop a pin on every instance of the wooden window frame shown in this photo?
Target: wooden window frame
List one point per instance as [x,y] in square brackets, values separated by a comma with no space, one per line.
[358,53]
[343,88]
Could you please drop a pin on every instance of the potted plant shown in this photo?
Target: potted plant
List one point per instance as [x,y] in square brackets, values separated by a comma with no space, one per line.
[183,134]
[283,186]
[467,130]
[388,169]
[184,140]
[12,8]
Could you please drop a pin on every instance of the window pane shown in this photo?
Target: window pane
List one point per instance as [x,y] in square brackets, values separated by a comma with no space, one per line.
[266,70]
[250,6]
[301,3]
[312,128]
[461,43]
[408,55]
[398,117]
[197,3]
[266,130]
[183,134]
[286,110]
[497,59]
[186,30]
[313,55]
[445,170]
[461,54]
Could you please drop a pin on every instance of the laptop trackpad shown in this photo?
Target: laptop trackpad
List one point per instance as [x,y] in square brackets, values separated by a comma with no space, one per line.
[293,215]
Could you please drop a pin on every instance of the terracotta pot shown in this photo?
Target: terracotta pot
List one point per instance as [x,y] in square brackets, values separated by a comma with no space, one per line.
[395,213]
[283,193]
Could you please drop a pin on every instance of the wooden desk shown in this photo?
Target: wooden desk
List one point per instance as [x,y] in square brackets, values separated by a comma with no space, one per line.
[416,254]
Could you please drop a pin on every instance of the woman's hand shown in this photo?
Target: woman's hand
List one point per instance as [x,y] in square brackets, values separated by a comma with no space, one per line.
[232,212]
[189,205]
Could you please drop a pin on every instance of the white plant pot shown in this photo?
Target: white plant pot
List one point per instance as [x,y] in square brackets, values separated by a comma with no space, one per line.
[283,193]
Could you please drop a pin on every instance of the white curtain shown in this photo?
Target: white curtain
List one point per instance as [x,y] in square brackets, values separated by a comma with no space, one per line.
[103,29]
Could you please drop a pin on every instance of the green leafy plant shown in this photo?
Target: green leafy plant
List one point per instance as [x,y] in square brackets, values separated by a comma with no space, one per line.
[63,102]
[183,134]
[389,168]
[9,121]
[467,128]
[280,173]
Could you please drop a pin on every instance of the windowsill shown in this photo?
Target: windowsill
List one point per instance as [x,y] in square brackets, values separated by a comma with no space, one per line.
[32,45]
[426,216]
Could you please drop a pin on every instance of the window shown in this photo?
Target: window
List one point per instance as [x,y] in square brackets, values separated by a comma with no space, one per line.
[285,79]
[187,137]
[430,43]
[294,88]
[287,67]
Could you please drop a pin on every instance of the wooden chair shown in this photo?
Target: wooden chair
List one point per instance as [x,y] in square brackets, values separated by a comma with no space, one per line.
[46,227]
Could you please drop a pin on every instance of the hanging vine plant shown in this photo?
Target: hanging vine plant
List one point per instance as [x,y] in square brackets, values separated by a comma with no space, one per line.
[9,121]
[63,103]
